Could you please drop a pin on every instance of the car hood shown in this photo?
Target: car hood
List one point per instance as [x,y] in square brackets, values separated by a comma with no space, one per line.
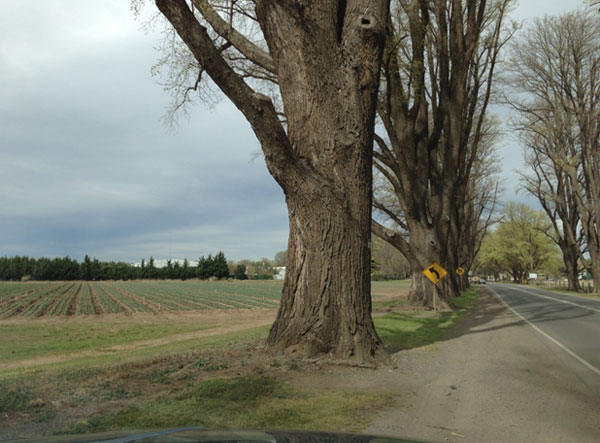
[200,434]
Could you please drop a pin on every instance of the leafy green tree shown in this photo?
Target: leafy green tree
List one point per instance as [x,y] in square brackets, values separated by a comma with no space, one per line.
[240,272]
[168,271]
[281,258]
[261,269]
[96,269]
[519,245]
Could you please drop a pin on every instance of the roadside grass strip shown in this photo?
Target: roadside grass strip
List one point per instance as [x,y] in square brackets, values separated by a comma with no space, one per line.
[253,402]
[100,339]
[408,330]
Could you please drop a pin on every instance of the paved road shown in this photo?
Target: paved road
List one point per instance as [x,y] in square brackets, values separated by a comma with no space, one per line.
[570,322]
[496,378]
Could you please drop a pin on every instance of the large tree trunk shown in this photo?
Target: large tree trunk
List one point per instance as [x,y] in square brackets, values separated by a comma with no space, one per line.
[325,306]
[425,247]
[570,258]
[329,94]
[424,294]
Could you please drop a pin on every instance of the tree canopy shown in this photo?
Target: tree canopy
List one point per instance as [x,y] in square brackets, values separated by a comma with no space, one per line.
[519,245]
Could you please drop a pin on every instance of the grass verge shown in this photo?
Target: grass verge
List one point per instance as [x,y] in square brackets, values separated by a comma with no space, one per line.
[408,330]
[254,402]
[24,340]
[222,342]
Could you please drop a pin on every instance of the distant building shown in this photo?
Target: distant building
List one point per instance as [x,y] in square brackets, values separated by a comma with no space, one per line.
[279,273]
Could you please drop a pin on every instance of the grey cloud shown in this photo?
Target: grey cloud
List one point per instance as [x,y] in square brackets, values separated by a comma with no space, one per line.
[87,167]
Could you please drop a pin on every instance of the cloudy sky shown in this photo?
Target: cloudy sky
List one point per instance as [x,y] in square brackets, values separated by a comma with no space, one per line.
[87,166]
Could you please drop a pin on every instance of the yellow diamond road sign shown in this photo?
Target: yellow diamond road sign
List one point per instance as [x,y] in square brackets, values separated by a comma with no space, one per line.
[435,272]
[460,270]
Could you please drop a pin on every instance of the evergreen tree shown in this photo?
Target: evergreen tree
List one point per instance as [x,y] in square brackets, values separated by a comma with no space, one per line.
[185,270]
[86,268]
[220,268]
[203,270]
[177,270]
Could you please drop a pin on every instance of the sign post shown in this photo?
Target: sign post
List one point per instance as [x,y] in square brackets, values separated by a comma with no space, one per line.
[435,273]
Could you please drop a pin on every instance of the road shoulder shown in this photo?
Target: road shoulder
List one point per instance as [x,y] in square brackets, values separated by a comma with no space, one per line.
[493,379]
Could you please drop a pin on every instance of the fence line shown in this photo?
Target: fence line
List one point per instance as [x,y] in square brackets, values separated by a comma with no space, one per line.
[587,286]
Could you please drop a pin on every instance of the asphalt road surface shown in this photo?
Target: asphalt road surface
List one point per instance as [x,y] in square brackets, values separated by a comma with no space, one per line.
[520,367]
[570,322]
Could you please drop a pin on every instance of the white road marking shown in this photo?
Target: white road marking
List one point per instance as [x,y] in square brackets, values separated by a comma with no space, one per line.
[553,340]
[555,299]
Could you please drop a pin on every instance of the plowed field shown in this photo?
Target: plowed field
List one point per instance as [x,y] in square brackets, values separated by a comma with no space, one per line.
[38,299]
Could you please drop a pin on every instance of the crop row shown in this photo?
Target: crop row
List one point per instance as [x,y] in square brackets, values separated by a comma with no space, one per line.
[196,295]
[10,289]
[35,302]
[93,298]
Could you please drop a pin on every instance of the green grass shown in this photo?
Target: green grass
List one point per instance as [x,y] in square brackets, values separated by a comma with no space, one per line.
[252,402]
[220,342]
[24,340]
[588,291]
[564,291]
[408,330]
[14,396]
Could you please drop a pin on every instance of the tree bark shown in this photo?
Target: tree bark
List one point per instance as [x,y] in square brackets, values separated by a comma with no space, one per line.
[324,308]
[572,275]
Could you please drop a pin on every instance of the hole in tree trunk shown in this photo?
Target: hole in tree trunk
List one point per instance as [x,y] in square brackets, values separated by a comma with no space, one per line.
[367,22]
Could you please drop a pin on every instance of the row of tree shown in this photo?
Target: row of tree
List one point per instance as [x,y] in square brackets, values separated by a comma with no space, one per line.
[310,78]
[437,190]
[555,78]
[65,268]
[27,268]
